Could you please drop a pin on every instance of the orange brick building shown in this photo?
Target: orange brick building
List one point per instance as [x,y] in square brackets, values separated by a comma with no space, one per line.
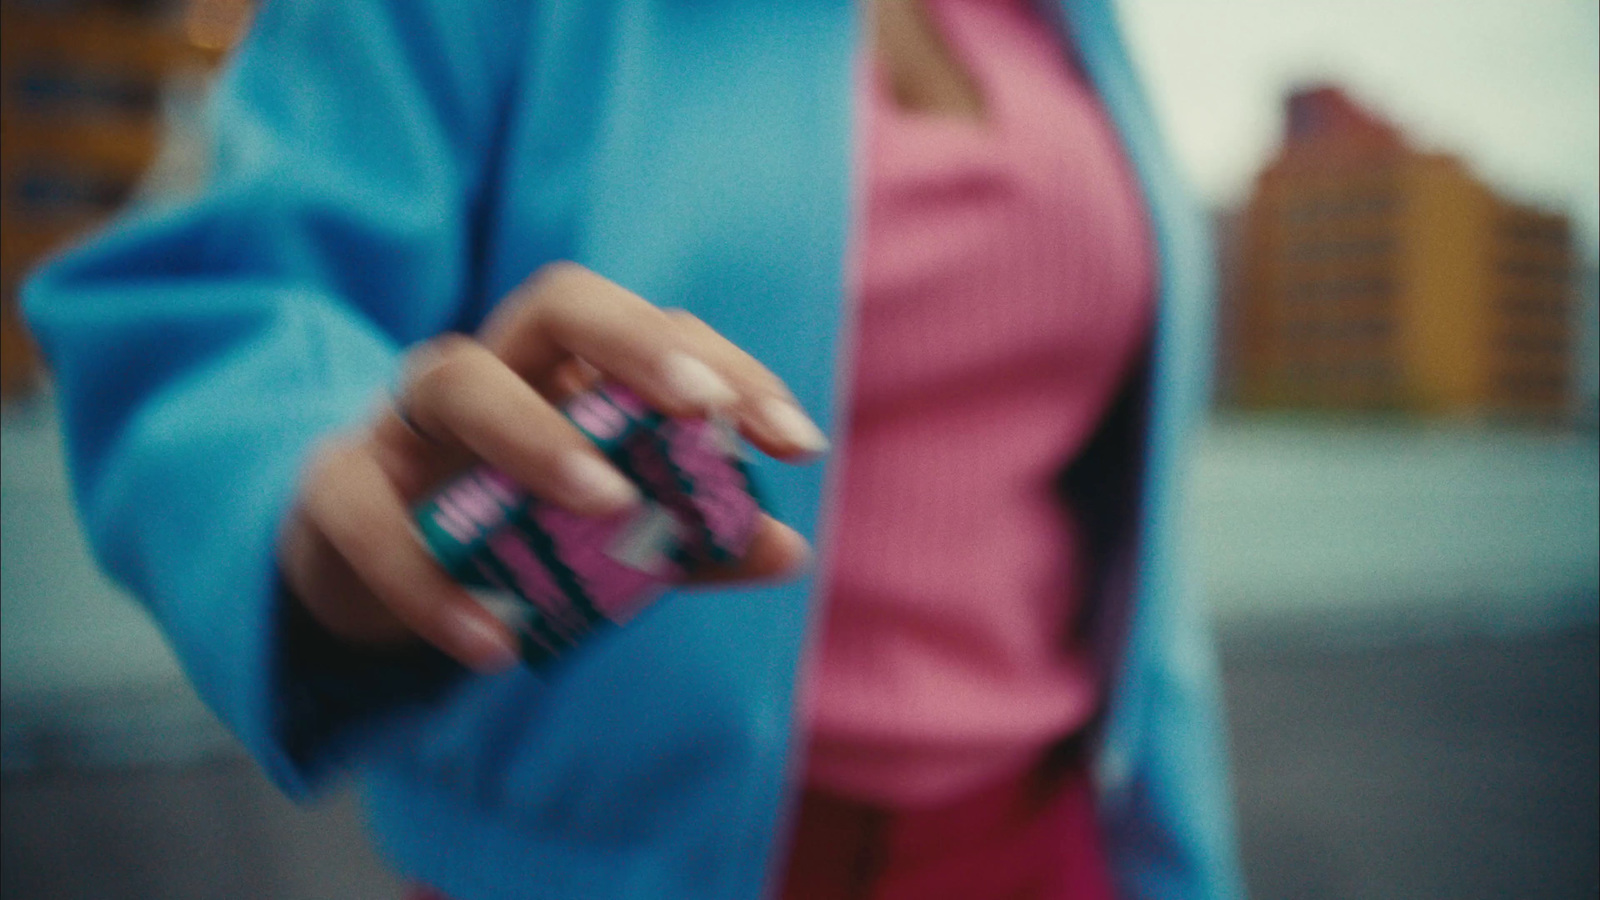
[1371,276]
[81,88]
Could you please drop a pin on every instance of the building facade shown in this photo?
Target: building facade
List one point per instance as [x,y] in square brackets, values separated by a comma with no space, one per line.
[1368,275]
[83,86]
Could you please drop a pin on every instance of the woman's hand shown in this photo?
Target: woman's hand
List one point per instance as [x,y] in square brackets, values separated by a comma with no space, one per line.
[349,552]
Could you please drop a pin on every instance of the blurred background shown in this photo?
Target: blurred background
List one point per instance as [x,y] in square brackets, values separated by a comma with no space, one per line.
[1396,504]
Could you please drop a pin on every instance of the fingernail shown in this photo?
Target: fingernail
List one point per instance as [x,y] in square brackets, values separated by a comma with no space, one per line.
[693,382]
[595,484]
[790,425]
[483,643]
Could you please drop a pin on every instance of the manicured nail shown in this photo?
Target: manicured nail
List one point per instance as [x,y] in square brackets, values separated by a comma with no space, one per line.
[787,423]
[693,382]
[484,644]
[596,485]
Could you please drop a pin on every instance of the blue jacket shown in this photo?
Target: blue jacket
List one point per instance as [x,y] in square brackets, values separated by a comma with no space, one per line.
[385,171]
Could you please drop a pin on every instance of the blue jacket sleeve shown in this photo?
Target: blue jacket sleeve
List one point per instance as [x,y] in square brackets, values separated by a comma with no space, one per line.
[201,348]
[1171,824]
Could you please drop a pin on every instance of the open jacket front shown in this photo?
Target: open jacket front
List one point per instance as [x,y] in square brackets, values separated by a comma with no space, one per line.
[384,171]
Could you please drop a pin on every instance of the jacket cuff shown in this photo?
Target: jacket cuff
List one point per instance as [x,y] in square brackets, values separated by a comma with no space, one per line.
[333,696]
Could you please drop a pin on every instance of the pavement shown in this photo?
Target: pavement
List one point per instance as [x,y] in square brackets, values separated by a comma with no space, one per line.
[1463,769]
[1454,769]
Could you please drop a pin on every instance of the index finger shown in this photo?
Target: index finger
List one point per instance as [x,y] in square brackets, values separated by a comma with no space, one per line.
[567,311]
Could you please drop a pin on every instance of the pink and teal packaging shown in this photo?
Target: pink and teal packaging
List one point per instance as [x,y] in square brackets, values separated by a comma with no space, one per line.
[557,577]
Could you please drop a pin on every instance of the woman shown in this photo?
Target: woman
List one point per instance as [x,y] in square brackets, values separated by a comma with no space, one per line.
[386,174]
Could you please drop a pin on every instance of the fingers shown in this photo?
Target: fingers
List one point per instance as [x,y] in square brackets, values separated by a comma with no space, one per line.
[351,553]
[573,378]
[351,503]
[567,311]
[767,413]
[673,360]
[460,393]
[321,581]
[775,553]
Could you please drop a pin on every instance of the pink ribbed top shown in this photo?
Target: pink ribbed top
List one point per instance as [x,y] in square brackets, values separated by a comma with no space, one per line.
[1005,282]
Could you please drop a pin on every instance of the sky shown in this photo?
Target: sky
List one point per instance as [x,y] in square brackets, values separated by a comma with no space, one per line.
[1510,86]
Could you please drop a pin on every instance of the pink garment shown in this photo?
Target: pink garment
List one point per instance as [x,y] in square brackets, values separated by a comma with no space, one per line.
[1032,837]
[1005,284]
